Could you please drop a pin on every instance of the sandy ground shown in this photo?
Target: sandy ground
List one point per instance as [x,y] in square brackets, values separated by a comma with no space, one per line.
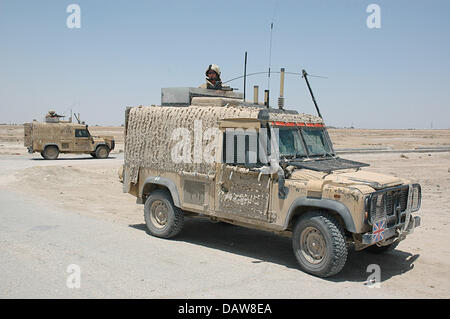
[392,139]
[91,187]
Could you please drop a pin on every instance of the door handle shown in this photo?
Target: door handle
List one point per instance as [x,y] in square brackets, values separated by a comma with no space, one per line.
[223,187]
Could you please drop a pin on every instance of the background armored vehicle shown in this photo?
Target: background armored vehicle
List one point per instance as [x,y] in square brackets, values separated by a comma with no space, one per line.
[325,203]
[52,137]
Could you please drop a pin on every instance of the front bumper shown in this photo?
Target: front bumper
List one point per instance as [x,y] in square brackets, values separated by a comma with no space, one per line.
[380,235]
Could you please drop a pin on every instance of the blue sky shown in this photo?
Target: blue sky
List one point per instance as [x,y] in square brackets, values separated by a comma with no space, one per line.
[397,76]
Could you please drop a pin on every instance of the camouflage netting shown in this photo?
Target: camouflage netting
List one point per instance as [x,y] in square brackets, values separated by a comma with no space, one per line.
[295,118]
[149,135]
[148,142]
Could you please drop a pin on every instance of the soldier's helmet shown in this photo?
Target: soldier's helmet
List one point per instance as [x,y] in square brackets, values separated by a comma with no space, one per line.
[51,112]
[215,68]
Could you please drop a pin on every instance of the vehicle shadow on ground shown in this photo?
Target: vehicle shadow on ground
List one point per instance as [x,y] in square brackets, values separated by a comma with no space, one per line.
[391,264]
[268,247]
[71,158]
[259,245]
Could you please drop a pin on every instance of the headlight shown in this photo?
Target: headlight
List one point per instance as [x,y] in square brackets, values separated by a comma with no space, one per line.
[376,207]
[379,207]
[416,197]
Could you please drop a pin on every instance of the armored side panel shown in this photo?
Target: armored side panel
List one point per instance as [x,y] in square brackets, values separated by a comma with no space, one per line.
[244,193]
[182,96]
[51,119]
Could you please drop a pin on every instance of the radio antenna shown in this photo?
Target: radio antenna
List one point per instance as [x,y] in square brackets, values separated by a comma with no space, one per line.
[270,56]
[305,76]
[245,73]
[270,44]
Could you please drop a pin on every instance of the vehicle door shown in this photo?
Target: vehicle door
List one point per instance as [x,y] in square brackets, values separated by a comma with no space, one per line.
[241,188]
[83,140]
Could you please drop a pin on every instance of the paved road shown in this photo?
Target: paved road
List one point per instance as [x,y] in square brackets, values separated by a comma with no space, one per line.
[38,242]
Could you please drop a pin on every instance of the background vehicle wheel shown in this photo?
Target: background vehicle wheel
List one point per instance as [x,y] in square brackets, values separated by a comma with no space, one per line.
[319,244]
[51,152]
[163,219]
[374,249]
[102,152]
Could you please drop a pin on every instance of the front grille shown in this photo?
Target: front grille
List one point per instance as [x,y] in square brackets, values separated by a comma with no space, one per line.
[388,204]
[396,198]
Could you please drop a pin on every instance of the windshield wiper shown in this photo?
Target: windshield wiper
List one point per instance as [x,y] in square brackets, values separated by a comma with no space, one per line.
[298,157]
[328,154]
[287,156]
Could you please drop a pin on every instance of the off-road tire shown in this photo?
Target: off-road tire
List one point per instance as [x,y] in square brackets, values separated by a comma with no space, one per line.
[93,155]
[102,152]
[50,152]
[175,217]
[327,227]
[374,249]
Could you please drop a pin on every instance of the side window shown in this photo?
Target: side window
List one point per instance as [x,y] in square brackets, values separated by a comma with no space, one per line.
[240,147]
[81,133]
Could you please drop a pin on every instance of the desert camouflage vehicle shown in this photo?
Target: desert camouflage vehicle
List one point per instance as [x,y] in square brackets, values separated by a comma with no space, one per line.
[52,137]
[325,203]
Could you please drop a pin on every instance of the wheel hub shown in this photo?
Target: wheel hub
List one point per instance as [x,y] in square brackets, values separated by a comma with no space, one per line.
[312,244]
[159,214]
[102,152]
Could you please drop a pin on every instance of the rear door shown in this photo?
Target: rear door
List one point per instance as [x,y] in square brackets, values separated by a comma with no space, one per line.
[28,134]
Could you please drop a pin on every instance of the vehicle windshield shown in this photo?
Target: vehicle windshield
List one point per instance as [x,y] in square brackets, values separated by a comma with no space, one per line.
[294,142]
[290,143]
[315,141]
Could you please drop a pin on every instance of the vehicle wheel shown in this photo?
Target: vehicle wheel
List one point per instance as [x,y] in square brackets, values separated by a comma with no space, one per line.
[374,249]
[93,155]
[102,151]
[162,217]
[319,244]
[51,152]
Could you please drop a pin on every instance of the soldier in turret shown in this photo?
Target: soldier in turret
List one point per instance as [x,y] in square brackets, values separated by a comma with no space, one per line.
[51,116]
[213,80]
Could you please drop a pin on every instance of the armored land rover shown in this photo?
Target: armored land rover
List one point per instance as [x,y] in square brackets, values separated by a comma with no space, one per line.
[52,137]
[210,153]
